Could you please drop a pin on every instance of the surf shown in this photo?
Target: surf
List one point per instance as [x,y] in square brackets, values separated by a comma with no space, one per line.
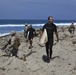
[22,25]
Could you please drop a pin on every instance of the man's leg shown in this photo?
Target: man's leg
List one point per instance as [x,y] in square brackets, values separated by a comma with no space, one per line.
[16,51]
[51,45]
[51,51]
[31,41]
[47,49]
[13,52]
[71,31]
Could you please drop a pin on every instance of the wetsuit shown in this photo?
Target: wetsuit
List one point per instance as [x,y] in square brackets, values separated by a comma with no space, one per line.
[31,33]
[51,28]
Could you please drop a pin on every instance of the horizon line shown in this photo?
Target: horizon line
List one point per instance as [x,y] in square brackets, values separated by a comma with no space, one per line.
[34,19]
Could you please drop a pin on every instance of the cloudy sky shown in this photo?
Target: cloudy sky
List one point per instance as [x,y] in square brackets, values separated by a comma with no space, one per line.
[38,9]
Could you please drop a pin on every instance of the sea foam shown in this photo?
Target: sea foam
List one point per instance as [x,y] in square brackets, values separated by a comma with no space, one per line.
[22,25]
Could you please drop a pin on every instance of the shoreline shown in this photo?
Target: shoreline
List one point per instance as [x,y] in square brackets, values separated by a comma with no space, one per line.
[7,34]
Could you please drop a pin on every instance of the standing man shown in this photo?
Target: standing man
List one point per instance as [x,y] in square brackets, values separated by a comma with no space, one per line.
[50,28]
[71,29]
[31,31]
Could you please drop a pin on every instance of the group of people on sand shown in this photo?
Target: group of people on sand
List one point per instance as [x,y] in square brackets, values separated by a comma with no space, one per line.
[12,46]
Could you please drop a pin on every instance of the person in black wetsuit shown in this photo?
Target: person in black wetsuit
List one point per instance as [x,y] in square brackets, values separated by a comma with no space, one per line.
[31,31]
[51,28]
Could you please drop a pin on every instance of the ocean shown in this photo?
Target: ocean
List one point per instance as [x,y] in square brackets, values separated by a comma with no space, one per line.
[6,26]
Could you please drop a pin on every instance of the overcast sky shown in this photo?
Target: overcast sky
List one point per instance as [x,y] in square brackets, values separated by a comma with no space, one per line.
[38,9]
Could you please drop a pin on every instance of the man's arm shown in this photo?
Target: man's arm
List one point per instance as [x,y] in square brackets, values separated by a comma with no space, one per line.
[56,33]
[35,31]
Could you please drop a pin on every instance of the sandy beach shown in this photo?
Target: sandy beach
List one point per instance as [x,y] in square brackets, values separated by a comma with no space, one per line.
[63,60]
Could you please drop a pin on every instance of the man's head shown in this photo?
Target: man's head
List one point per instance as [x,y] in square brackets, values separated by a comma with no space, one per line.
[30,26]
[50,19]
[26,24]
[72,23]
[13,33]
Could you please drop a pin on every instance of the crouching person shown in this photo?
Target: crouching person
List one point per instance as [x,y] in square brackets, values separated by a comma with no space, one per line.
[11,48]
